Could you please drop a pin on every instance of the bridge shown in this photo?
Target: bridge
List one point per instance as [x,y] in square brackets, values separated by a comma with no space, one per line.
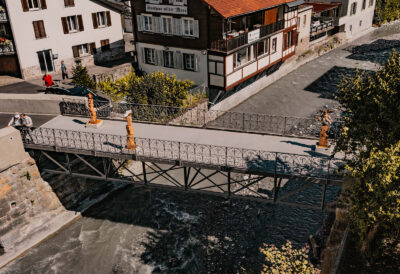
[187,158]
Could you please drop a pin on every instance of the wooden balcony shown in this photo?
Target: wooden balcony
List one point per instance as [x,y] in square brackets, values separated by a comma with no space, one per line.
[229,44]
[324,26]
[7,49]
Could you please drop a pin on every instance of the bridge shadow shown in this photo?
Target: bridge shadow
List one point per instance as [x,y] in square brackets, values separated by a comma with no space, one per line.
[188,232]
[327,85]
[376,52]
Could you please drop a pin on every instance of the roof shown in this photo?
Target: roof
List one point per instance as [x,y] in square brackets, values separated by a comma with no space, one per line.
[116,6]
[319,7]
[231,8]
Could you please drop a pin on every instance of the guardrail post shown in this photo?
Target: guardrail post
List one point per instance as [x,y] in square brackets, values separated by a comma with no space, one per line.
[54,136]
[186,177]
[284,125]
[275,177]
[144,173]
[229,184]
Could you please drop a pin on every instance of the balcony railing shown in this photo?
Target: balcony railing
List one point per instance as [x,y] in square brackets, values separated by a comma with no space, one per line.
[7,49]
[226,45]
[3,16]
[323,26]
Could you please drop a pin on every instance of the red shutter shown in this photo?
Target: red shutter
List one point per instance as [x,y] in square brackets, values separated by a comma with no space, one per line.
[93,48]
[108,14]
[43,5]
[94,18]
[75,51]
[80,23]
[284,41]
[25,6]
[65,25]
[42,29]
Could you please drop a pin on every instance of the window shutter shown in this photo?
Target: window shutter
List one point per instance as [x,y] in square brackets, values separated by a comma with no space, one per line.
[36,29]
[159,58]
[108,14]
[43,5]
[93,48]
[143,57]
[196,28]
[75,51]
[80,23]
[65,25]
[178,60]
[66,3]
[284,41]
[196,63]
[25,6]
[139,22]
[177,26]
[42,29]
[94,19]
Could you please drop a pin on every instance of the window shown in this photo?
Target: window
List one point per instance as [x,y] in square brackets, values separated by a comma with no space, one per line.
[371,2]
[166,25]
[168,59]
[69,3]
[150,56]
[83,49]
[147,23]
[188,26]
[189,61]
[262,47]
[364,4]
[360,23]
[101,19]
[353,8]
[72,23]
[105,45]
[273,46]
[289,39]
[33,4]
[178,2]
[241,57]
[28,5]
[304,20]
[3,30]
[38,28]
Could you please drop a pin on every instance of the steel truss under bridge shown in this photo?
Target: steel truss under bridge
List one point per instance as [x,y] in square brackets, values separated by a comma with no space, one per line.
[200,164]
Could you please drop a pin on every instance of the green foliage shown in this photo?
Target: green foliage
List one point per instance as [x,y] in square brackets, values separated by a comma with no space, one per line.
[387,10]
[287,260]
[28,176]
[156,89]
[80,76]
[371,135]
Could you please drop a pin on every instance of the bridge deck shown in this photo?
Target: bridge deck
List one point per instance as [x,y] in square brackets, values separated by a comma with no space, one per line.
[191,135]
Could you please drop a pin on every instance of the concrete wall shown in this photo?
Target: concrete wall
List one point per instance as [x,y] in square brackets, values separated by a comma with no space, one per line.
[27,45]
[33,103]
[11,150]
[198,77]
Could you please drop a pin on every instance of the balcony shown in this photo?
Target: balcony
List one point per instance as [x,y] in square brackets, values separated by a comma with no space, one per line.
[239,39]
[321,26]
[3,16]
[6,48]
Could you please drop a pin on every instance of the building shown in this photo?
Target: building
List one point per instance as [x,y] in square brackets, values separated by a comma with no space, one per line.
[42,33]
[304,16]
[350,17]
[219,44]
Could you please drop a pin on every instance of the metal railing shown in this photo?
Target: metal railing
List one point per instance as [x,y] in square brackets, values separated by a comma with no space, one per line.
[3,16]
[226,45]
[7,49]
[232,158]
[205,118]
[322,26]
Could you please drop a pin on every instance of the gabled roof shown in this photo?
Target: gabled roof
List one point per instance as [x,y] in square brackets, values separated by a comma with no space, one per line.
[230,8]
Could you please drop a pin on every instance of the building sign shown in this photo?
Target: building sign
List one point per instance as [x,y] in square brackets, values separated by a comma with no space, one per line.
[166,9]
[253,36]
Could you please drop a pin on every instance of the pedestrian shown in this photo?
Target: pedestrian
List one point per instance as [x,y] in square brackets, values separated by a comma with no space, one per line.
[64,70]
[26,127]
[15,121]
[47,79]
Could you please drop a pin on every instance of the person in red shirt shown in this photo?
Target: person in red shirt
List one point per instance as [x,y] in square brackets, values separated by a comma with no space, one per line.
[48,80]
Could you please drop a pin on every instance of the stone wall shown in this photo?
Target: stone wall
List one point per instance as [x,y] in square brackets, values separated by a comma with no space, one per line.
[115,73]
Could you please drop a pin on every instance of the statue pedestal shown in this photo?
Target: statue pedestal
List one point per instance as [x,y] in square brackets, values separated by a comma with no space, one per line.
[98,124]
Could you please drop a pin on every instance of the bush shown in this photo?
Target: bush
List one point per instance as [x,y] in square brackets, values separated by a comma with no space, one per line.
[80,76]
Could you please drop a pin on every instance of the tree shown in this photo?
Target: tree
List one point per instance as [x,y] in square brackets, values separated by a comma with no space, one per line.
[81,77]
[287,260]
[387,10]
[371,134]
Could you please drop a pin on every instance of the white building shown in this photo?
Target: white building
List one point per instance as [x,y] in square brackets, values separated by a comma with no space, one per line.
[46,32]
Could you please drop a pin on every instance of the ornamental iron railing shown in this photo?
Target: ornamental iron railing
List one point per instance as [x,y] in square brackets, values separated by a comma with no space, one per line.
[7,49]
[205,118]
[211,156]
[324,25]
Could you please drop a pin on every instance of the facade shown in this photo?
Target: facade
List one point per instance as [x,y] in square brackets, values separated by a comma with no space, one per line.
[351,17]
[219,44]
[46,32]
[8,56]
[304,27]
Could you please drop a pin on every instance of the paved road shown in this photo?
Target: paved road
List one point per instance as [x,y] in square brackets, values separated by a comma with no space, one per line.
[308,89]
[38,120]
[22,88]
